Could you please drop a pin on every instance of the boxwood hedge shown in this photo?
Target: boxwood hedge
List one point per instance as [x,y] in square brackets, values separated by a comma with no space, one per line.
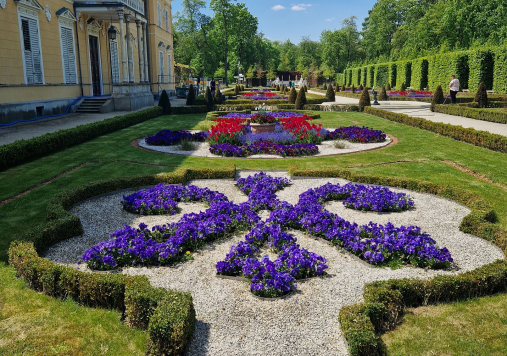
[381,74]
[384,301]
[473,113]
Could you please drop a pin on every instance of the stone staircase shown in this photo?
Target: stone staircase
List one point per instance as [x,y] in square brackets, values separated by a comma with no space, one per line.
[91,105]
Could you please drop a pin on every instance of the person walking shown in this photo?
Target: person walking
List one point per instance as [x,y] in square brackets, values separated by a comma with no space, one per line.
[213,85]
[453,88]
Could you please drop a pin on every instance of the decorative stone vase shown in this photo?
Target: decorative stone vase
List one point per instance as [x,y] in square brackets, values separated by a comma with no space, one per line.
[262,128]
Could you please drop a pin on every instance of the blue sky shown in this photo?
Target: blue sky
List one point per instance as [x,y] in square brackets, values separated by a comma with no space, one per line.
[285,19]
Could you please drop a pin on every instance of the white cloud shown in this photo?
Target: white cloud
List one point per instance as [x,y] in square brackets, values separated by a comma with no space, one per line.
[300,7]
[278,7]
[329,20]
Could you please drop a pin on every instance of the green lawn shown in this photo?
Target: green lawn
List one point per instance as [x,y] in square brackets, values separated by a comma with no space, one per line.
[419,154]
[473,328]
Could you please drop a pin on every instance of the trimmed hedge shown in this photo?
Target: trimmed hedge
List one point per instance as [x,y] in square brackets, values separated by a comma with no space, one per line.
[478,114]
[481,63]
[370,77]
[23,151]
[393,75]
[419,79]
[500,71]
[356,76]
[62,225]
[477,138]
[339,78]
[363,323]
[364,76]
[403,73]
[442,66]
[381,74]
[170,314]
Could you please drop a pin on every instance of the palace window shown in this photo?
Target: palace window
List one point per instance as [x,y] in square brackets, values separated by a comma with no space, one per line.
[31,51]
[159,15]
[161,62]
[68,54]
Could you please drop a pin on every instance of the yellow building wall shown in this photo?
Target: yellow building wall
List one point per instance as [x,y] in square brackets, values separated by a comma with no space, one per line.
[38,92]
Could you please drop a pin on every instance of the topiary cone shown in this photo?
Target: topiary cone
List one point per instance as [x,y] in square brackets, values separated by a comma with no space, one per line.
[337,89]
[190,95]
[343,87]
[300,100]
[481,97]
[383,94]
[165,103]
[403,88]
[218,97]
[292,96]
[208,98]
[388,87]
[353,89]
[438,97]
[364,100]
[325,86]
[330,94]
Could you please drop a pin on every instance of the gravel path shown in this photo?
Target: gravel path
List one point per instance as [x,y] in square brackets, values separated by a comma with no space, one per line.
[230,321]
[326,148]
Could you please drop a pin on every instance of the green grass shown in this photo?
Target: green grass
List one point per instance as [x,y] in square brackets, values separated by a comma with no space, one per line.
[35,324]
[473,328]
[112,155]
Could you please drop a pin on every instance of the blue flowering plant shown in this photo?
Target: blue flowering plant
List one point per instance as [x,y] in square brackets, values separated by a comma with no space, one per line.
[168,137]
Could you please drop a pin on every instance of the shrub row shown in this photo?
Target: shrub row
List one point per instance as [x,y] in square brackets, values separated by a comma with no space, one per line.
[169,316]
[23,151]
[477,138]
[473,113]
[384,301]
[61,225]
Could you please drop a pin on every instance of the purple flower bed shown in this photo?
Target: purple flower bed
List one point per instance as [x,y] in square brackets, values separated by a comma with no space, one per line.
[364,197]
[162,199]
[168,137]
[171,243]
[264,147]
[274,114]
[357,134]
[258,97]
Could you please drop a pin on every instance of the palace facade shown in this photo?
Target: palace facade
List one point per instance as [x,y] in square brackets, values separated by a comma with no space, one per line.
[56,53]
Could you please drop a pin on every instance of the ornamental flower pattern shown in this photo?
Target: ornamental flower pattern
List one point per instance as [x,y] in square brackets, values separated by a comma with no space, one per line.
[169,243]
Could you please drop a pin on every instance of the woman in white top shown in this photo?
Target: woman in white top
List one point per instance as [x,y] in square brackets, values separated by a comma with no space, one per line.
[453,88]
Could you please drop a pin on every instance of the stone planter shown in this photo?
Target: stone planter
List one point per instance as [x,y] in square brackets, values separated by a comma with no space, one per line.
[262,128]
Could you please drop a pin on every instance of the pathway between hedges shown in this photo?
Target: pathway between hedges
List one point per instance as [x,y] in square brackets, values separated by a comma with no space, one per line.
[425,113]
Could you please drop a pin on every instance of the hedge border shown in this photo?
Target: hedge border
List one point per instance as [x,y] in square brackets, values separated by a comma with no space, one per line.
[23,151]
[477,138]
[385,301]
[169,316]
[473,113]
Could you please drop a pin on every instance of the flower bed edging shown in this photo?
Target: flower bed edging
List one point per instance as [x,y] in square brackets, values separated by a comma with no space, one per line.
[362,324]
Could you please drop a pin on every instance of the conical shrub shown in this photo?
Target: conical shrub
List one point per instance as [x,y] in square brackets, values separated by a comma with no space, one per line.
[360,87]
[403,88]
[191,95]
[300,100]
[330,94]
[218,97]
[343,87]
[292,96]
[388,87]
[383,94]
[208,98]
[325,86]
[364,100]
[277,87]
[481,97]
[337,89]
[438,97]
[165,103]
[236,90]
[353,89]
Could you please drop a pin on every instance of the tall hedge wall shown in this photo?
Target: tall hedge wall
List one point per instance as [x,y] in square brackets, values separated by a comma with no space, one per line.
[442,66]
[364,75]
[340,78]
[370,77]
[381,74]
[500,71]
[356,72]
[403,73]
[393,74]
[419,79]
[481,63]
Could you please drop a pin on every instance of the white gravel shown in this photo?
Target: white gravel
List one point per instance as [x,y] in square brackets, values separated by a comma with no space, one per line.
[326,148]
[230,321]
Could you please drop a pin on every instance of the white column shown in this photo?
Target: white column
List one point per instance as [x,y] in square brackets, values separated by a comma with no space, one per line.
[145,41]
[140,52]
[129,50]
[124,70]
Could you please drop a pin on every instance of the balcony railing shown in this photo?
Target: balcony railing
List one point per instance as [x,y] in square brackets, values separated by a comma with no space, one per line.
[136,5]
